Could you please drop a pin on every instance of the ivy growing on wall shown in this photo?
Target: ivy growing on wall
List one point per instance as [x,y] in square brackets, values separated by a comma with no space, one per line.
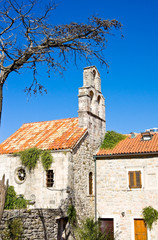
[30,157]
[111,139]
[150,216]
[46,159]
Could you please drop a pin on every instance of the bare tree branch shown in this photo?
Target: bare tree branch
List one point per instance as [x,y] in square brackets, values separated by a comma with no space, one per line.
[40,41]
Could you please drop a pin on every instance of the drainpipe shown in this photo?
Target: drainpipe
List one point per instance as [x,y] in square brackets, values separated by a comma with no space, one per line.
[95,172]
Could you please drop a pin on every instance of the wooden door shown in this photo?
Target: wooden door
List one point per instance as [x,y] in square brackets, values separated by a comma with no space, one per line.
[107,226]
[140,229]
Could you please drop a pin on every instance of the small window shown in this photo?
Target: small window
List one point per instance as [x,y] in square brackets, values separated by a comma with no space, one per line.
[135,179]
[90,183]
[98,99]
[91,95]
[146,136]
[20,175]
[94,73]
[49,178]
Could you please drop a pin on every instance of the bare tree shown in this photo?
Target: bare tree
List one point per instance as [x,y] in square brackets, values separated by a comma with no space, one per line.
[27,40]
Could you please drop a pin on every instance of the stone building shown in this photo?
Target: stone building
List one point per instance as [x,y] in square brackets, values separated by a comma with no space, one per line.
[72,143]
[127,182]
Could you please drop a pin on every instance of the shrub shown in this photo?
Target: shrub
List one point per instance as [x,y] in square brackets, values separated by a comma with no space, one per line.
[71,212]
[10,198]
[90,230]
[150,216]
[13,201]
[13,230]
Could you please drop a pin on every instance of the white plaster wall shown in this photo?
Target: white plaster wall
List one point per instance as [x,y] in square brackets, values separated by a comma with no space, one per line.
[114,196]
[35,183]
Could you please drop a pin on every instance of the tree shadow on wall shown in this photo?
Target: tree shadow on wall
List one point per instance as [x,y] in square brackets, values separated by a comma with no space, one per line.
[40,214]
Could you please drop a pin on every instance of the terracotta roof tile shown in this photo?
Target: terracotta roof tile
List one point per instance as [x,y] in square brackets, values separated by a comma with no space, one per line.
[133,146]
[57,134]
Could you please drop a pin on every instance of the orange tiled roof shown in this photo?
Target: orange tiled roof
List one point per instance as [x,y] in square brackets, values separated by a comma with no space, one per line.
[133,146]
[53,135]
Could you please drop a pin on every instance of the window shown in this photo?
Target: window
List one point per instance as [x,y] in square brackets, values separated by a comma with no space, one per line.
[146,136]
[20,175]
[49,178]
[135,179]
[90,183]
[98,99]
[91,95]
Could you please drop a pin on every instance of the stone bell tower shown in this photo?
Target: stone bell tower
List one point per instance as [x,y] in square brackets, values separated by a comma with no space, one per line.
[92,105]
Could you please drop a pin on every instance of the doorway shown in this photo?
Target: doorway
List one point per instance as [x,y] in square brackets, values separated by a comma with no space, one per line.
[140,229]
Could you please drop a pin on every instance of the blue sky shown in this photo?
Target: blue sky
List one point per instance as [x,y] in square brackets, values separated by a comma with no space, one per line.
[130,88]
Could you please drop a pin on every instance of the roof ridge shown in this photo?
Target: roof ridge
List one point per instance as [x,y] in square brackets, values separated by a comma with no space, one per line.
[50,120]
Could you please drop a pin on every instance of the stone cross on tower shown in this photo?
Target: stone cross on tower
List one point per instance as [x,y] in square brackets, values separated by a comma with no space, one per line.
[92,105]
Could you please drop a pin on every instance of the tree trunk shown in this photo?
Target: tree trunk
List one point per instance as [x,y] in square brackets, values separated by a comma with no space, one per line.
[3,193]
[1,100]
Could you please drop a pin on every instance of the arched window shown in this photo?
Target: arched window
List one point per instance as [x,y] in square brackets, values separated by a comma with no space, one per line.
[94,73]
[91,95]
[90,183]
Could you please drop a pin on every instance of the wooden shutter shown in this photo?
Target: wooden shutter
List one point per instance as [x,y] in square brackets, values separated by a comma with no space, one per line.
[138,179]
[131,179]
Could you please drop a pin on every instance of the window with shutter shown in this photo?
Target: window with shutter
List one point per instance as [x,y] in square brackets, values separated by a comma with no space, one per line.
[134,179]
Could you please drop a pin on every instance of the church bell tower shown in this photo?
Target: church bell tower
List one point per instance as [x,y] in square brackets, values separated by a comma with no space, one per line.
[92,105]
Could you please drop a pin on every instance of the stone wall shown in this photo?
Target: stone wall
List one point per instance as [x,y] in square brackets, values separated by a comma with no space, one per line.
[34,186]
[115,199]
[38,224]
[83,164]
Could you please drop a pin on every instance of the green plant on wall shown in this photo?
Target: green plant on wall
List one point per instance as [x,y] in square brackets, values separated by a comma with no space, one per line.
[29,157]
[111,139]
[46,159]
[13,230]
[150,216]
[71,212]
[13,201]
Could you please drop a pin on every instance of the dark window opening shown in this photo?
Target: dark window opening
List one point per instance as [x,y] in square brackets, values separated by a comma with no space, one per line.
[91,95]
[90,183]
[63,231]
[98,99]
[107,227]
[94,73]
[49,178]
